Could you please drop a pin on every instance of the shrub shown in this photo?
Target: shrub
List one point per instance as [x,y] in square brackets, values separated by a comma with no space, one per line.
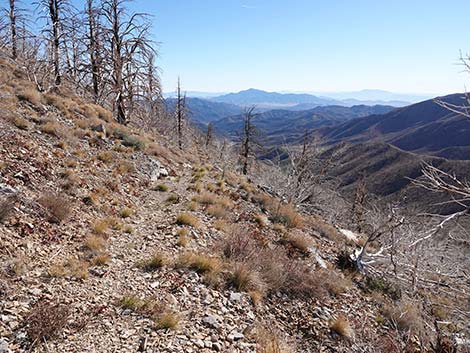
[124,167]
[168,320]
[186,219]
[154,263]
[199,262]
[161,188]
[260,220]
[46,320]
[342,327]
[57,206]
[220,224]
[7,205]
[51,128]
[133,141]
[126,212]
[287,215]
[173,198]
[378,284]
[270,341]
[206,198]
[100,259]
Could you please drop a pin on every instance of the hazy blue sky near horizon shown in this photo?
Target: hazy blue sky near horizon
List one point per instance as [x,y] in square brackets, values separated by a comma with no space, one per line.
[310,45]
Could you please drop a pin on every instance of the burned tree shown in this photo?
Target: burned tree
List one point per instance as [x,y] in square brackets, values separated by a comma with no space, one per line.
[248,139]
[180,113]
[13,31]
[128,49]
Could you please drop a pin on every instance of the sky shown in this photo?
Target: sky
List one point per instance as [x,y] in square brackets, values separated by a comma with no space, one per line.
[311,45]
[407,46]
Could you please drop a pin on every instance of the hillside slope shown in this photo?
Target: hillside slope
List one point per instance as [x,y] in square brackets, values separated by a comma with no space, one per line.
[425,128]
[283,126]
[113,240]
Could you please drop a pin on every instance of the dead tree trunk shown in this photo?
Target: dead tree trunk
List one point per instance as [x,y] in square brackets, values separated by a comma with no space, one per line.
[55,21]
[14,43]
[93,49]
[247,139]
[180,114]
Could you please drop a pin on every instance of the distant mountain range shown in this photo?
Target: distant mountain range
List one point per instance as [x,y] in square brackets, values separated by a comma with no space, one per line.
[284,126]
[307,100]
[425,128]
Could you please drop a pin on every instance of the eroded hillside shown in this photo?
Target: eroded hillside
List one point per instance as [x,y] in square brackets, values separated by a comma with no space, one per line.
[113,240]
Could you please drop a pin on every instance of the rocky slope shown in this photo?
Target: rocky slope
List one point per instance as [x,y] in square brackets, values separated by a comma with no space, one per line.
[111,240]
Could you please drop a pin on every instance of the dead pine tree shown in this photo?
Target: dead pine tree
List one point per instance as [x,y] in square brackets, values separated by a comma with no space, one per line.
[13,31]
[248,140]
[180,113]
[209,134]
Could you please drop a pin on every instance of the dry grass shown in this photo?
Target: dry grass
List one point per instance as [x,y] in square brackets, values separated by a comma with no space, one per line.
[342,327]
[192,206]
[260,220]
[130,302]
[100,259]
[270,341]
[94,243]
[124,167]
[46,320]
[106,156]
[153,263]
[243,278]
[206,198]
[325,229]
[187,219]
[173,198]
[403,315]
[221,225]
[301,242]
[70,268]
[161,188]
[21,123]
[57,206]
[169,319]
[183,238]
[126,212]
[100,227]
[30,95]
[218,212]
[199,262]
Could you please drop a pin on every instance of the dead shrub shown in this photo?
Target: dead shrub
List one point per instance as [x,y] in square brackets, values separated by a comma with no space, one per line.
[21,123]
[271,341]
[46,320]
[403,315]
[154,263]
[57,206]
[244,278]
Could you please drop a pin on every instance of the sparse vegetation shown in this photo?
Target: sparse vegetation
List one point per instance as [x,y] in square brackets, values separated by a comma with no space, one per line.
[199,262]
[154,263]
[46,320]
[58,207]
[161,188]
[342,327]
[7,205]
[169,319]
[183,239]
[187,219]
[173,198]
[126,212]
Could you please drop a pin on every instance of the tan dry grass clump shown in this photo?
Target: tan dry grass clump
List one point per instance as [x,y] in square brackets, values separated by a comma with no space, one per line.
[155,262]
[404,315]
[169,319]
[301,242]
[199,262]
[187,219]
[58,207]
[46,320]
[342,327]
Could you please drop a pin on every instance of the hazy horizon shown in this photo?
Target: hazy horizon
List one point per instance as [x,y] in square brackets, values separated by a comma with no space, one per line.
[311,46]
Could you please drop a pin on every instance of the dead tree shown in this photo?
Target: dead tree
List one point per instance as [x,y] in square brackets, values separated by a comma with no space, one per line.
[209,134]
[128,47]
[13,31]
[180,113]
[248,139]
[54,7]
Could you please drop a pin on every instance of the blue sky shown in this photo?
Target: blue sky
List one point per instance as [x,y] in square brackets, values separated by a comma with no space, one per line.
[311,45]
